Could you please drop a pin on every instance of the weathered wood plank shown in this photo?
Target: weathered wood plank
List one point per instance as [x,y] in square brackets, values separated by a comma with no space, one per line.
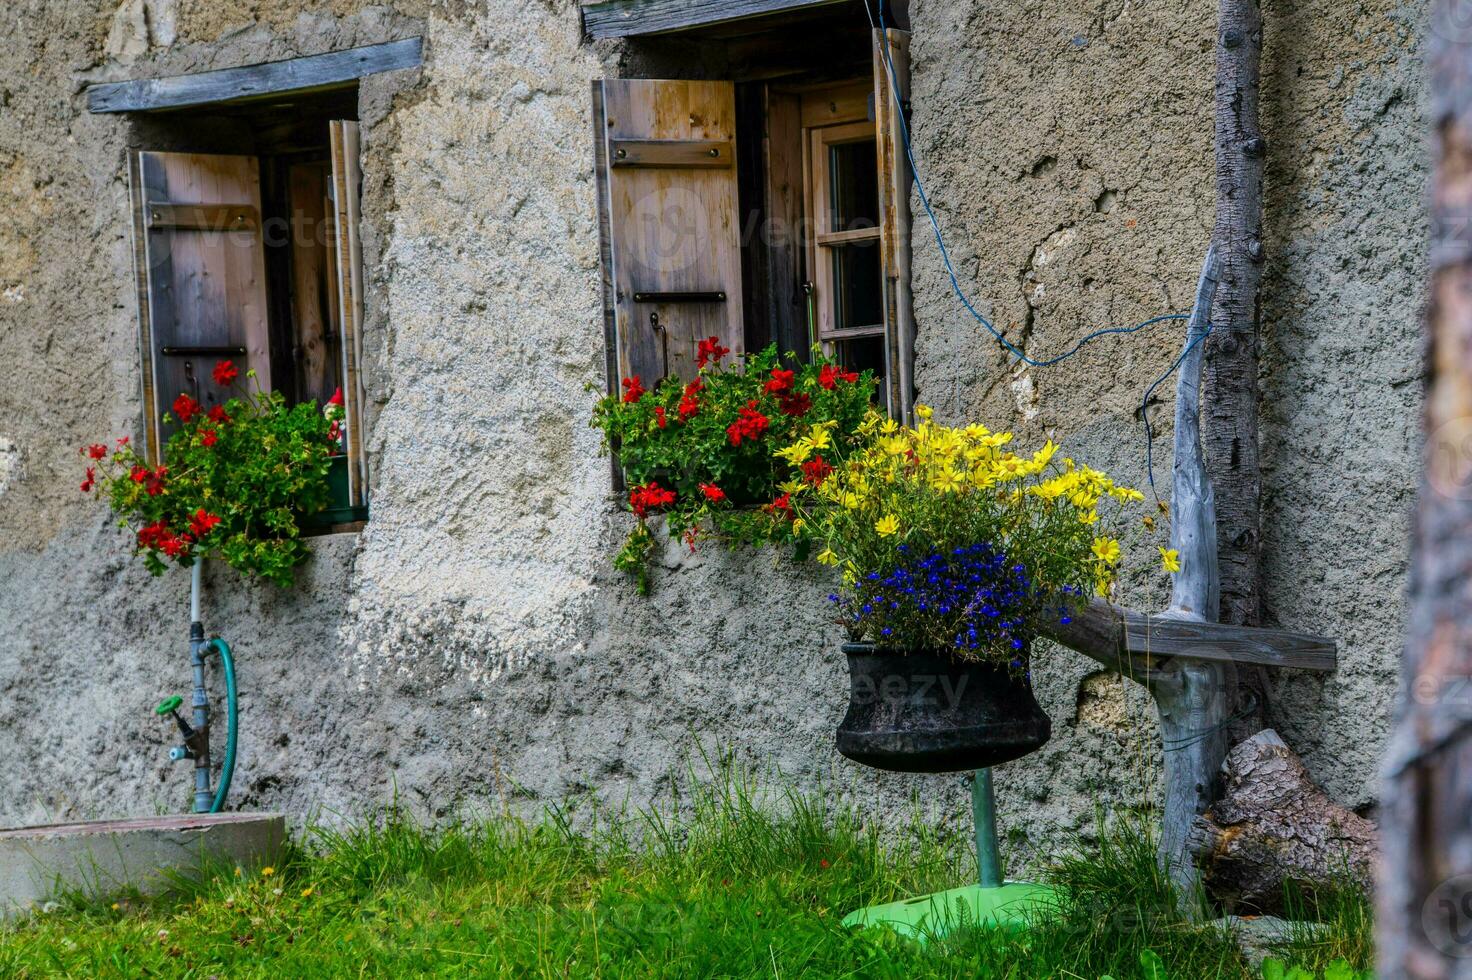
[1162,636]
[632,18]
[346,181]
[203,217]
[201,289]
[782,151]
[671,153]
[673,229]
[272,79]
[138,197]
[314,302]
[1139,645]
[891,93]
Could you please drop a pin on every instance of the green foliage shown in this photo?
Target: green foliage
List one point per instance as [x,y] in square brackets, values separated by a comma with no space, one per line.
[743,883]
[701,454]
[232,484]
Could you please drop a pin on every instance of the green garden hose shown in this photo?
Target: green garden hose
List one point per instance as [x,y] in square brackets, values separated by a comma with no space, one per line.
[232,712]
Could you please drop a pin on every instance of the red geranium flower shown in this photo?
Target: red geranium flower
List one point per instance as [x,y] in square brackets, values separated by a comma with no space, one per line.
[150,536]
[175,545]
[849,376]
[97,450]
[650,496]
[782,505]
[218,416]
[828,376]
[710,351]
[186,408]
[712,492]
[122,442]
[633,389]
[202,523]
[659,416]
[796,404]
[156,481]
[138,474]
[91,479]
[749,424]
[689,403]
[781,381]
[208,437]
[225,372]
[816,470]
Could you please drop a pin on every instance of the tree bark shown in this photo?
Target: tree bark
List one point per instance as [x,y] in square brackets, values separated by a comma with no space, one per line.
[1230,415]
[1274,825]
[1425,876]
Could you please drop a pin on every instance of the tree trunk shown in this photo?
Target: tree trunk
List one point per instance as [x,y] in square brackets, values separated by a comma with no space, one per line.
[1425,894]
[1229,419]
[1273,825]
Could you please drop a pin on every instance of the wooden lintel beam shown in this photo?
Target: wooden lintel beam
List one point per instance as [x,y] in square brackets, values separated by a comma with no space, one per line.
[636,18]
[271,80]
[1138,644]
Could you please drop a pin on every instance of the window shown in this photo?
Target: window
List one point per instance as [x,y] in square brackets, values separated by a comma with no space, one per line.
[251,256]
[769,209]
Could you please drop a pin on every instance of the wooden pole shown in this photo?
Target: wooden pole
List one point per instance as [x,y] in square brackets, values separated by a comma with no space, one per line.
[1189,691]
[1424,917]
[1230,412]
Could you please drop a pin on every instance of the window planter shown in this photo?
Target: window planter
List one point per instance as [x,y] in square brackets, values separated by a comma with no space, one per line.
[339,509]
[929,712]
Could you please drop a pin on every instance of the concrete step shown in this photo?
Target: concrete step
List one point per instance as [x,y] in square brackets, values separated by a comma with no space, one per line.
[102,858]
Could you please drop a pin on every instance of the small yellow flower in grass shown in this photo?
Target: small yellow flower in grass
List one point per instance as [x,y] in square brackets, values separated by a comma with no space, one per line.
[1170,560]
[887,525]
[307,891]
[267,871]
[827,557]
[1106,550]
[889,427]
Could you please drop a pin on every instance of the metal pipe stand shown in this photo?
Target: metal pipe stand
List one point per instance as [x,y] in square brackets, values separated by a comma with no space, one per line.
[991,903]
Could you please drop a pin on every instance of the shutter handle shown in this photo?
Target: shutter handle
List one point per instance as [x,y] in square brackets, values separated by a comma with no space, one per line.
[664,342]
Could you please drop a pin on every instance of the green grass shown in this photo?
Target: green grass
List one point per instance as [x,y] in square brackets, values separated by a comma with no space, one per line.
[734,888]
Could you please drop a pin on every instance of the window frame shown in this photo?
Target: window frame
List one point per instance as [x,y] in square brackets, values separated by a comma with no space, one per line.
[822,239]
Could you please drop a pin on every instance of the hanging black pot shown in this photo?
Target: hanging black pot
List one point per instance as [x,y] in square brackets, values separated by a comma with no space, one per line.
[926,712]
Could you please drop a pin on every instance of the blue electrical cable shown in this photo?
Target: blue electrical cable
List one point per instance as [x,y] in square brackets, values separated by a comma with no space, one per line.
[945,255]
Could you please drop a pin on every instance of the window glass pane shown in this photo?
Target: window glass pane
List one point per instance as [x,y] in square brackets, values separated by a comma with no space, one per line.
[863,354]
[853,179]
[858,299]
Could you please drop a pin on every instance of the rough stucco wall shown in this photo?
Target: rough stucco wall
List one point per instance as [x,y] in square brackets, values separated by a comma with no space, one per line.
[472,646]
[1069,153]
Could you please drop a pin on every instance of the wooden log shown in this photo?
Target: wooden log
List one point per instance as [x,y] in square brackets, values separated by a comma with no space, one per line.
[1274,825]
[1230,414]
[1229,422]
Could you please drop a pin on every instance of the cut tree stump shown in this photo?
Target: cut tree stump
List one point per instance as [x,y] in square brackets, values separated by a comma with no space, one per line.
[1274,825]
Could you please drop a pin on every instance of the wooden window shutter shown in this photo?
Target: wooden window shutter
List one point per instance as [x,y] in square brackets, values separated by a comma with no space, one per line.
[892,50]
[666,166]
[200,268]
[346,219]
